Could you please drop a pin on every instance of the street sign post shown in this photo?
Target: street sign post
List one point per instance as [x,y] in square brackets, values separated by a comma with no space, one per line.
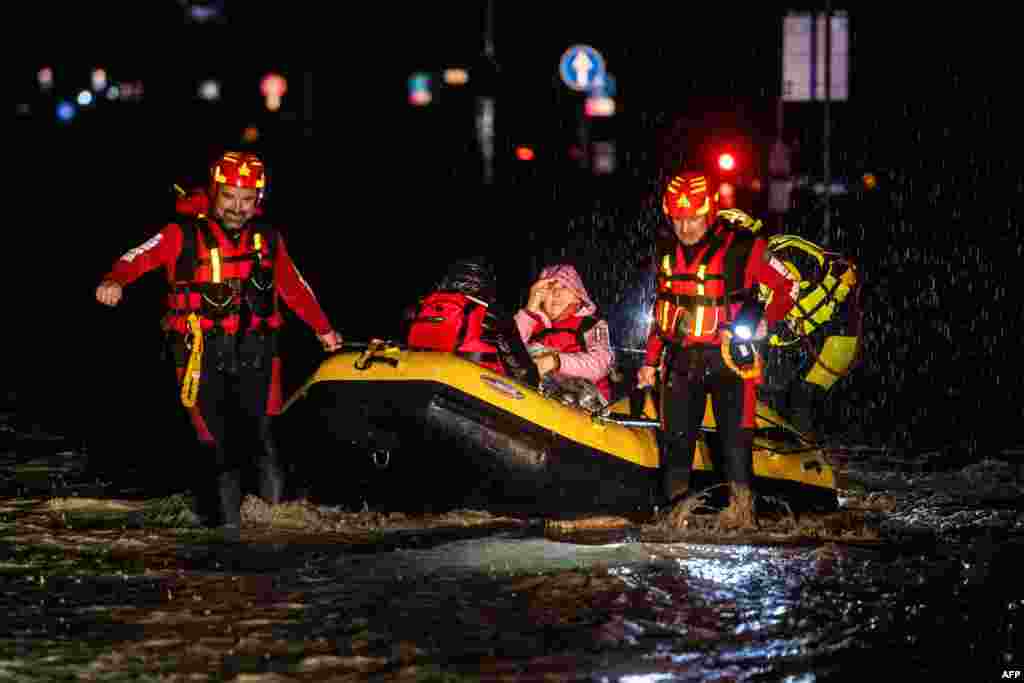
[804,64]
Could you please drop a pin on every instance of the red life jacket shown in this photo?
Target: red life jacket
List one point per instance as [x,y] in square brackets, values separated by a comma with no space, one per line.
[569,336]
[223,287]
[695,300]
[453,322]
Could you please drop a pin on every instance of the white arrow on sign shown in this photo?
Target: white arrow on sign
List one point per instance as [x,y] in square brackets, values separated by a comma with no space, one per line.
[582,64]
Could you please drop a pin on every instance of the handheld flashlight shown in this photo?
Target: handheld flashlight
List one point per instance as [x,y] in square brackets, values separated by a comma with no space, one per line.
[743,329]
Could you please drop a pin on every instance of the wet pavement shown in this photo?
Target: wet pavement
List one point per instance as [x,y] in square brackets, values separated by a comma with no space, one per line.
[918,574]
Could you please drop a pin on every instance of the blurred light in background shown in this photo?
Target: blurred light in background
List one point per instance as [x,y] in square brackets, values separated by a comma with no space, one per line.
[726,161]
[599,106]
[45,77]
[273,87]
[727,196]
[84,98]
[870,181]
[604,157]
[113,92]
[209,90]
[131,92]
[65,111]
[203,11]
[99,80]
[603,86]
[419,90]
[456,76]
[524,153]
[24,109]
[250,134]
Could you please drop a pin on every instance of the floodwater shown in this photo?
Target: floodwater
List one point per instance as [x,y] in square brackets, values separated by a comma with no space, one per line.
[918,574]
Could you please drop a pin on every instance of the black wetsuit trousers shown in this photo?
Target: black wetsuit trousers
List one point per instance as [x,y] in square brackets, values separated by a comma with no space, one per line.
[691,375]
[232,401]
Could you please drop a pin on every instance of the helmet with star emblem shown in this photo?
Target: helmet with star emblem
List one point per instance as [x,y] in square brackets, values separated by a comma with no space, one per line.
[238,169]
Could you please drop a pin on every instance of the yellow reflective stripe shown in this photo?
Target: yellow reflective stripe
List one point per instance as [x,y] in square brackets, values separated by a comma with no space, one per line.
[666,264]
[257,241]
[698,323]
[215,263]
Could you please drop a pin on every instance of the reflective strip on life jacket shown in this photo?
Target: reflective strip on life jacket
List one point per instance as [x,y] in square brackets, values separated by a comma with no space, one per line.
[699,317]
[215,264]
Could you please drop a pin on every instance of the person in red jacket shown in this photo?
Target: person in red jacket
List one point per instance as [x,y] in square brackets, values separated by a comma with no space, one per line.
[560,326]
[709,270]
[228,274]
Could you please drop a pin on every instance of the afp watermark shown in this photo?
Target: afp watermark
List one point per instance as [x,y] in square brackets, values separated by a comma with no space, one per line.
[1012,675]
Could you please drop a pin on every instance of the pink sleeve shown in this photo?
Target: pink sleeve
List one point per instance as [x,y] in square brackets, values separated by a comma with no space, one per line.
[596,362]
[527,322]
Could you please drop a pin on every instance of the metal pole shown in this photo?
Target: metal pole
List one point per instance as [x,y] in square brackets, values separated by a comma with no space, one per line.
[489,30]
[485,105]
[828,98]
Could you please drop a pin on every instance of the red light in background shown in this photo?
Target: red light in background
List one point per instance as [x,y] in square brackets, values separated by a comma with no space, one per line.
[726,161]
[524,153]
[727,196]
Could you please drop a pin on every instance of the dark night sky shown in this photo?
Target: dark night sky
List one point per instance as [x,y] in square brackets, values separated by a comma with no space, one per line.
[376,202]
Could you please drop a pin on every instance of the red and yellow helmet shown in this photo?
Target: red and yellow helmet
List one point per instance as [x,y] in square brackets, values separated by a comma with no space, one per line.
[238,169]
[688,195]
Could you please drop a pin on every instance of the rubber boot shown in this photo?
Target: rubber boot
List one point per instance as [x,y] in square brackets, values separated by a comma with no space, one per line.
[271,476]
[229,485]
[675,484]
[675,468]
[741,513]
[207,494]
[679,501]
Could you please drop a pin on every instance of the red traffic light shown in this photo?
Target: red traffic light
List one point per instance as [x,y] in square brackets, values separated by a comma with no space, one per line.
[726,161]
[524,153]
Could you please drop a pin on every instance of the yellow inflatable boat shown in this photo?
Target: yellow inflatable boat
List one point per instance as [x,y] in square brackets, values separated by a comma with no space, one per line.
[433,422]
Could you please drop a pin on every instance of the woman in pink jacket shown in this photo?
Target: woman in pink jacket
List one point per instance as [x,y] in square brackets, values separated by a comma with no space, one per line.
[561,329]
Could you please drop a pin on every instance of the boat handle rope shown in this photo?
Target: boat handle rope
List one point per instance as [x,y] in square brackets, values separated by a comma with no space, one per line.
[368,357]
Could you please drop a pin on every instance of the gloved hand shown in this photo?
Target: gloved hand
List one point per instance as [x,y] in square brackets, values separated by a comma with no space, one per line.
[741,218]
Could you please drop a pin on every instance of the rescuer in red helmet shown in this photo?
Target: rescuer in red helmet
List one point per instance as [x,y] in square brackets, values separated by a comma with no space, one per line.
[228,275]
[709,270]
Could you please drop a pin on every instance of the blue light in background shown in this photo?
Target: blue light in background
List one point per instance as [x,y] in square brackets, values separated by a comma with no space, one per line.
[65,111]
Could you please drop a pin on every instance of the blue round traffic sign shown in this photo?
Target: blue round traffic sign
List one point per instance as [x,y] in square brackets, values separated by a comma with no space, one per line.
[580,66]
